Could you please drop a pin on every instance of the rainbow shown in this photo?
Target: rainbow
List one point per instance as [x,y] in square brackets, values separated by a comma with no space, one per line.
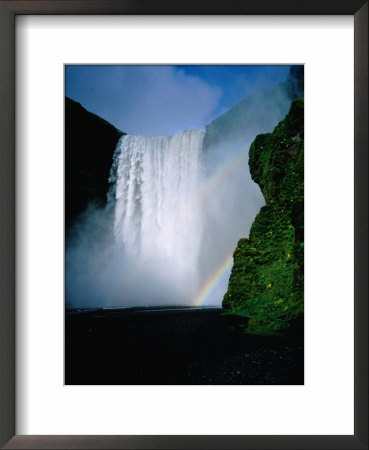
[218,177]
[212,281]
[221,175]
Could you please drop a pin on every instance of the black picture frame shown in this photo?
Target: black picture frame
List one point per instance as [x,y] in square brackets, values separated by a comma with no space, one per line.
[8,11]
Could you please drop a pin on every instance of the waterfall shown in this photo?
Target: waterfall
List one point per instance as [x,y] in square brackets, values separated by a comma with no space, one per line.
[177,206]
[157,221]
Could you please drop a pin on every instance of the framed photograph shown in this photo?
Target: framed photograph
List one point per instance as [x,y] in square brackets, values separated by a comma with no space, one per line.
[154,218]
[184,225]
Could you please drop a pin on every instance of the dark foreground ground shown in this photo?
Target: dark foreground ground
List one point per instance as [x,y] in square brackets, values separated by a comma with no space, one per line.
[177,346]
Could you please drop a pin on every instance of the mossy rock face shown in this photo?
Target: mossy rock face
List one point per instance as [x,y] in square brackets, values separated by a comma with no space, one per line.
[267,279]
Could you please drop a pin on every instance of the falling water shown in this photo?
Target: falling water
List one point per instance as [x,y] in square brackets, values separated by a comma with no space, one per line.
[177,206]
[157,221]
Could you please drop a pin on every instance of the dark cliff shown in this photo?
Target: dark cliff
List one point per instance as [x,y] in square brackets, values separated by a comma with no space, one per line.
[267,279]
[90,142]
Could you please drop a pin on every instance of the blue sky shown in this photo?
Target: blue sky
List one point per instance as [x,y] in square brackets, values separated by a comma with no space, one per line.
[163,100]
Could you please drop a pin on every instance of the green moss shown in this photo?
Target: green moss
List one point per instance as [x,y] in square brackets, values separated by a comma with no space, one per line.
[267,279]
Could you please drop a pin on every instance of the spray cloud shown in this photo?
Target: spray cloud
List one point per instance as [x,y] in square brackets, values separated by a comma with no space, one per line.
[177,206]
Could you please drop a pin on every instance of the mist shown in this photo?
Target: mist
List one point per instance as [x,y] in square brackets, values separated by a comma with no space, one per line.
[176,208]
